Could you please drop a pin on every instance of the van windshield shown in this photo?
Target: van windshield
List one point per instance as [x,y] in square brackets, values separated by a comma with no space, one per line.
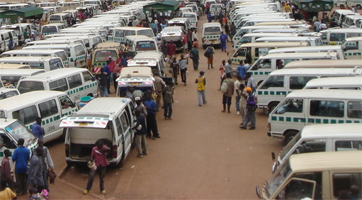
[190,16]
[146,46]
[10,80]
[126,32]
[290,145]
[102,56]
[212,30]
[17,130]
[277,179]
[28,86]
[49,29]
[55,64]
[54,17]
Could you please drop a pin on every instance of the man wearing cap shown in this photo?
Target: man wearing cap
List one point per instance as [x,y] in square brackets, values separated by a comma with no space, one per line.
[159,85]
[201,82]
[250,110]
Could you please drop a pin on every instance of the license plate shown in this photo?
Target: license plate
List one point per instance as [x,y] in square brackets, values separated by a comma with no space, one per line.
[171,34]
[212,42]
[82,124]
[134,83]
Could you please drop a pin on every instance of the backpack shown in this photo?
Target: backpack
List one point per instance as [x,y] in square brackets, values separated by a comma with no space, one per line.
[207,53]
[251,104]
[224,87]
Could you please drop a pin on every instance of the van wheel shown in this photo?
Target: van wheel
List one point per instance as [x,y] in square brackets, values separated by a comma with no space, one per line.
[358,6]
[289,135]
[271,106]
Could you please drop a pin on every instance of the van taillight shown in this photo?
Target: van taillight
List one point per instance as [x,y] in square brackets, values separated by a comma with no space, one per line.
[67,150]
[115,147]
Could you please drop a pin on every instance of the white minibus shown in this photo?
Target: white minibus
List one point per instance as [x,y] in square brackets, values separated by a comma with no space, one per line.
[59,18]
[51,28]
[153,59]
[8,92]
[211,34]
[38,53]
[139,43]
[352,47]
[305,107]
[344,83]
[119,34]
[192,16]
[46,63]
[313,41]
[351,20]
[75,82]
[108,119]
[51,106]
[11,77]
[268,63]
[252,37]
[338,15]
[281,82]
[315,49]
[337,36]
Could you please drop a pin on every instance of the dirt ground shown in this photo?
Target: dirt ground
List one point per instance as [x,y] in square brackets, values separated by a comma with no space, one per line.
[202,152]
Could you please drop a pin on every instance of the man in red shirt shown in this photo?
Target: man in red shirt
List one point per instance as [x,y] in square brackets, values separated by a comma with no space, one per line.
[171,48]
[99,157]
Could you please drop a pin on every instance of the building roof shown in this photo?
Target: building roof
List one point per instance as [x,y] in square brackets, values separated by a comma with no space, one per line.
[25,12]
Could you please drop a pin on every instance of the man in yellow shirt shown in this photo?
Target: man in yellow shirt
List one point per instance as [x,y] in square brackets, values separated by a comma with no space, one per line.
[6,192]
[201,82]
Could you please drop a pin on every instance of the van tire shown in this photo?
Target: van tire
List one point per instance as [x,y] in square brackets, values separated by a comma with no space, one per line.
[289,135]
[271,106]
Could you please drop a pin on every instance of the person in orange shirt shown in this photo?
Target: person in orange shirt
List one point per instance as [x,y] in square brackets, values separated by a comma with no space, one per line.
[224,20]
[195,43]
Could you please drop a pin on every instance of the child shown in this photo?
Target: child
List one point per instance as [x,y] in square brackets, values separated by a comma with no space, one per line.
[34,195]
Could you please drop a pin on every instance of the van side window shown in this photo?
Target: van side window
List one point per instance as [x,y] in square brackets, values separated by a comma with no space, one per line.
[326,108]
[342,184]
[26,115]
[118,126]
[75,81]
[337,37]
[354,109]
[291,105]
[59,85]
[298,82]
[87,76]
[48,108]
[124,121]
[311,146]
[348,145]
[273,81]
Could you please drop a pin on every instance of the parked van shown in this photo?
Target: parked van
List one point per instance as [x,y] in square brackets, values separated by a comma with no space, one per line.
[59,18]
[211,34]
[107,119]
[345,83]
[140,78]
[174,34]
[268,63]
[87,30]
[351,20]
[8,92]
[252,22]
[251,37]
[216,8]
[46,63]
[19,29]
[103,51]
[153,59]
[14,66]
[339,15]
[304,107]
[139,43]
[315,49]
[10,77]
[51,106]
[119,34]
[51,28]
[75,52]
[6,36]
[180,21]
[51,41]
[321,175]
[324,64]
[313,41]
[75,82]
[281,82]
[11,131]
[352,47]
[337,36]
[192,16]
[258,49]
[38,53]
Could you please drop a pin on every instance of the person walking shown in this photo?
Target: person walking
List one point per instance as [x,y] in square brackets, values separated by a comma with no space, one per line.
[250,110]
[103,82]
[140,127]
[209,17]
[37,130]
[168,100]
[189,40]
[46,162]
[237,94]
[35,177]
[99,158]
[209,54]
[21,156]
[151,117]
[108,71]
[226,97]
[112,66]
[175,69]
[171,48]
[223,40]
[194,55]
[159,85]
[183,68]
[201,83]
[228,68]
[227,31]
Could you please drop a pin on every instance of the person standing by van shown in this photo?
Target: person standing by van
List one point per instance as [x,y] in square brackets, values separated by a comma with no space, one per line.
[37,130]
[175,68]
[103,82]
[241,70]
[171,48]
[99,157]
[88,60]
[250,110]
[35,175]
[21,156]
[141,132]
[159,85]
[250,82]
[151,117]
[108,72]
[47,162]
[223,40]
[226,97]
[201,83]
[183,68]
